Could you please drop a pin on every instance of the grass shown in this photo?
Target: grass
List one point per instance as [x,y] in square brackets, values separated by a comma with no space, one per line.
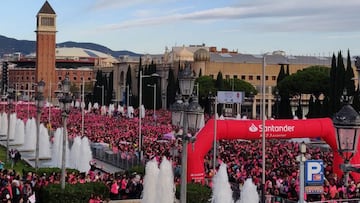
[20,165]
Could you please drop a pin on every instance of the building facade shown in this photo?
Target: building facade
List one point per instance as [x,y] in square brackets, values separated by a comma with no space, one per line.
[210,61]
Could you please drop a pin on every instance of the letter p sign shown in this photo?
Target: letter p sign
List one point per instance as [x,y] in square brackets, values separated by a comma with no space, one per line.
[314,172]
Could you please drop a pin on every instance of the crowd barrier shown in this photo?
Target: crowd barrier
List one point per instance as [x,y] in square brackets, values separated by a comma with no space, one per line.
[120,159]
[340,201]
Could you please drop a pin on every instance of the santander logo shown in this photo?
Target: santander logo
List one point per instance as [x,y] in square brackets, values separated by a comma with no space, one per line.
[253,128]
[272,128]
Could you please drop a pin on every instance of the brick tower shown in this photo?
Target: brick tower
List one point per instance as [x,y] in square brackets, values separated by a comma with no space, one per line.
[45,47]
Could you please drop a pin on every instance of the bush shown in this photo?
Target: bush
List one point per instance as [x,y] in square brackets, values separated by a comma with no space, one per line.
[139,169]
[196,193]
[80,192]
[48,171]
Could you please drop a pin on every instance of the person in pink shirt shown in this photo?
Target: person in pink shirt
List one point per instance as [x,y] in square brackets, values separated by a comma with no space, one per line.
[114,190]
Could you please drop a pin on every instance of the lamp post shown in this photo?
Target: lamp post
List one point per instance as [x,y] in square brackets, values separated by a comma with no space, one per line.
[154,113]
[82,106]
[39,105]
[141,76]
[263,140]
[64,101]
[277,100]
[347,128]
[10,99]
[302,171]
[187,116]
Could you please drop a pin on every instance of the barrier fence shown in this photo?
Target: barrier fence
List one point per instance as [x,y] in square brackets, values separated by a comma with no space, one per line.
[123,160]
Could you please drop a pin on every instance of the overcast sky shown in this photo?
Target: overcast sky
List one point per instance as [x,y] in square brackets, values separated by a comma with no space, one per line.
[298,27]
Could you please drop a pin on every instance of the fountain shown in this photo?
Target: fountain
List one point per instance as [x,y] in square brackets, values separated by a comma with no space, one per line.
[3,124]
[56,149]
[12,126]
[80,154]
[44,145]
[150,180]
[249,192]
[19,133]
[30,136]
[222,192]
[165,192]
[159,183]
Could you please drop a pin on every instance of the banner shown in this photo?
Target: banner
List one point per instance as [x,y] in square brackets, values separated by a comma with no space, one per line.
[230,97]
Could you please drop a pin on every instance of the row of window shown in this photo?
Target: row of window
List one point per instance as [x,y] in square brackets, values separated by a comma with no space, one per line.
[75,78]
[248,77]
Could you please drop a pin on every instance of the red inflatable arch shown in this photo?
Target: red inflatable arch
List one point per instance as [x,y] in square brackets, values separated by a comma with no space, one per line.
[251,129]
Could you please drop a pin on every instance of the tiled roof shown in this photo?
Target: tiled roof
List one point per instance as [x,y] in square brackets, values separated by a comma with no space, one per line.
[270,59]
[47,9]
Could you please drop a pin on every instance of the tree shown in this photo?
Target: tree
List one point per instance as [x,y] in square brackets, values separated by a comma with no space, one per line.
[128,83]
[207,88]
[219,84]
[97,90]
[340,81]
[110,89]
[313,80]
[349,77]
[333,85]
[356,100]
[311,113]
[287,70]
[140,69]
[281,74]
[171,88]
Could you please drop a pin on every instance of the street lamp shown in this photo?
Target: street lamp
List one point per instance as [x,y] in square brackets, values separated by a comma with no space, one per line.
[141,76]
[263,106]
[302,171]
[347,128]
[64,101]
[154,113]
[187,116]
[10,98]
[277,101]
[39,105]
[213,99]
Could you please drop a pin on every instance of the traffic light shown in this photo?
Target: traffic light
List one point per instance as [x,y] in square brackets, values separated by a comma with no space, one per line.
[4,75]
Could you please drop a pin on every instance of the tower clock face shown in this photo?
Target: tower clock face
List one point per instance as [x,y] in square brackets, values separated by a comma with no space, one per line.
[47,21]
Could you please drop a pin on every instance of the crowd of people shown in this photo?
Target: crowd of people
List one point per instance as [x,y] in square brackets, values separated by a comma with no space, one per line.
[243,158]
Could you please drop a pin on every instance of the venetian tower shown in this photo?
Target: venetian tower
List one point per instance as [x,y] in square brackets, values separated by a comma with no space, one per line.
[45,47]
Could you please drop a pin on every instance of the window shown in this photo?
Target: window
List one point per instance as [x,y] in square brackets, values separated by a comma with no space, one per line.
[243,77]
[75,78]
[227,77]
[47,21]
[273,77]
[251,77]
[235,76]
[266,77]
[258,77]
[60,78]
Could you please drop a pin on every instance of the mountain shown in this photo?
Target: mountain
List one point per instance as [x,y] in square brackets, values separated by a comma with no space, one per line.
[11,45]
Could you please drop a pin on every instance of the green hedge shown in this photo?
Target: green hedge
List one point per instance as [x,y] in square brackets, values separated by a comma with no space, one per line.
[80,192]
[41,171]
[196,193]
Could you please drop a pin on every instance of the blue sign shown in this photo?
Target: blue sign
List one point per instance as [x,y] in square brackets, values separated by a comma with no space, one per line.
[314,172]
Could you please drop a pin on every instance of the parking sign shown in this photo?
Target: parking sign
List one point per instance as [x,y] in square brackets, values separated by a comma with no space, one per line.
[314,172]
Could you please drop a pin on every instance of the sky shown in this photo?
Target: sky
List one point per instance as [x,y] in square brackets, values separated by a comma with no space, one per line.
[298,27]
